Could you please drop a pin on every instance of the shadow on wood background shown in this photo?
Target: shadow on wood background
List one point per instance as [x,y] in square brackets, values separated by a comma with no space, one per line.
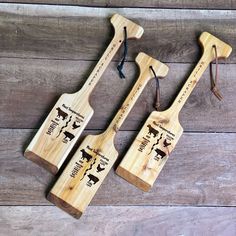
[47,50]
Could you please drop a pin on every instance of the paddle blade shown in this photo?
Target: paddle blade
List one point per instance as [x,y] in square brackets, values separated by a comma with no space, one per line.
[59,132]
[84,174]
[150,150]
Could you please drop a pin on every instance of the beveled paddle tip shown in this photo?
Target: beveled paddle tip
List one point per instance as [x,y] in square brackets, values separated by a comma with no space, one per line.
[133,179]
[63,205]
[41,162]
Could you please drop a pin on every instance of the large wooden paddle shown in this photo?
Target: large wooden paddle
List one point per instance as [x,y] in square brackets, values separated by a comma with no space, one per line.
[72,112]
[162,130]
[87,169]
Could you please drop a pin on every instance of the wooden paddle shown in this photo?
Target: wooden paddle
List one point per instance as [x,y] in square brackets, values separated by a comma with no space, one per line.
[96,155]
[162,130]
[72,112]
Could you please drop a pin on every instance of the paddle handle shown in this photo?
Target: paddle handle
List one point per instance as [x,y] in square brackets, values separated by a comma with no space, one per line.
[208,42]
[144,62]
[189,85]
[119,24]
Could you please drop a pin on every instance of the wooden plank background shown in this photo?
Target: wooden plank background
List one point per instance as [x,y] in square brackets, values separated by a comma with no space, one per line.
[200,4]
[50,47]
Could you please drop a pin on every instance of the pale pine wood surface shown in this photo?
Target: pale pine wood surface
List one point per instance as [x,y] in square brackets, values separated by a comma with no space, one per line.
[48,50]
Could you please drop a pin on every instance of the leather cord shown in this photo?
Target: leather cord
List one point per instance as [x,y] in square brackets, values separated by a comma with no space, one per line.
[157,102]
[121,64]
[214,79]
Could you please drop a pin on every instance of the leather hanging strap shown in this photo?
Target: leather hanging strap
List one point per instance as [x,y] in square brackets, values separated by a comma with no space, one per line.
[214,81]
[157,102]
[121,64]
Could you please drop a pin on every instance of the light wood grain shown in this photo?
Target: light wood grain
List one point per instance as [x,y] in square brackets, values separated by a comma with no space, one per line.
[93,160]
[125,221]
[43,81]
[39,31]
[161,132]
[72,112]
[210,4]
[204,177]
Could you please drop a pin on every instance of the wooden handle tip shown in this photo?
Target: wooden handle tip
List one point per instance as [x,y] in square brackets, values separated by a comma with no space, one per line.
[208,40]
[144,62]
[133,30]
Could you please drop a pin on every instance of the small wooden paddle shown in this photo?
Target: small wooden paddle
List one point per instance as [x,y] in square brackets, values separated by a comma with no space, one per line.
[72,112]
[162,130]
[96,155]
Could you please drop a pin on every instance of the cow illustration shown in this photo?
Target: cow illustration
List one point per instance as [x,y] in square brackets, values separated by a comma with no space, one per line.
[160,153]
[75,126]
[99,168]
[85,155]
[93,179]
[166,144]
[61,114]
[68,135]
[153,131]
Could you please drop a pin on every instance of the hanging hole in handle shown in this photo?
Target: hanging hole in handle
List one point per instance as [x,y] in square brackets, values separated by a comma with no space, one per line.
[125,28]
[157,103]
[214,79]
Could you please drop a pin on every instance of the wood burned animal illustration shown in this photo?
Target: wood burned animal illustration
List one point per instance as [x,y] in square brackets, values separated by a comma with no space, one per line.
[61,113]
[75,125]
[68,136]
[152,131]
[166,144]
[93,179]
[159,153]
[100,168]
[85,155]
